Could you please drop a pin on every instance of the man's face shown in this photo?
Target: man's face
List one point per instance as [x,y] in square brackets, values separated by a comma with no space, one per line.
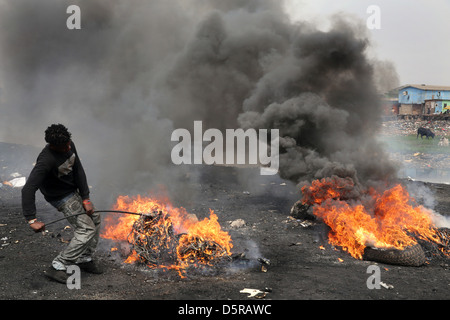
[61,148]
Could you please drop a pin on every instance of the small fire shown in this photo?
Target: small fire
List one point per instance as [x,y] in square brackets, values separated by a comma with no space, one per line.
[389,219]
[167,237]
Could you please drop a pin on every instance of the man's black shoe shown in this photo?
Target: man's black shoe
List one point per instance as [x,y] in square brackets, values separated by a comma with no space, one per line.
[90,267]
[57,275]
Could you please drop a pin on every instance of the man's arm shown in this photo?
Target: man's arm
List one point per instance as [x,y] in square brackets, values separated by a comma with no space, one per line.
[37,176]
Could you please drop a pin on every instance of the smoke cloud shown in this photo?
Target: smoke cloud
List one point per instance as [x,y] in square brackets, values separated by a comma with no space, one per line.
[138,69]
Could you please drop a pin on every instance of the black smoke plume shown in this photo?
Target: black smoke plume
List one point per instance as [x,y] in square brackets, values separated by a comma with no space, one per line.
[138,69]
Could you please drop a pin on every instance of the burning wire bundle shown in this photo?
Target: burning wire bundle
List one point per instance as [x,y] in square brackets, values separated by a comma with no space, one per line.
[169,237]
[156,244]
[153,239]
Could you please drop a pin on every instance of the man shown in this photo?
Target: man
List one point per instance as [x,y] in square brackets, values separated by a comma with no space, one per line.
[59,175]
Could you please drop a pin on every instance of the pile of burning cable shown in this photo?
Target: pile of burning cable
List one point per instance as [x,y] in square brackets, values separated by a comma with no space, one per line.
[444,236]
[441,244]
[156,244]
[153,239]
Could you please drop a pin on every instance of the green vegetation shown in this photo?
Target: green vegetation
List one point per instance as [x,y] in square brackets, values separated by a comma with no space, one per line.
[410,144]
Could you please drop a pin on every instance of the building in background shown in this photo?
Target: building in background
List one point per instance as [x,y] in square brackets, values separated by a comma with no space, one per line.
[423,99]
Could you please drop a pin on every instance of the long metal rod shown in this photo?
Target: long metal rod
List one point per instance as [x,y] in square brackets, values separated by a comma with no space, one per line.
[96,211]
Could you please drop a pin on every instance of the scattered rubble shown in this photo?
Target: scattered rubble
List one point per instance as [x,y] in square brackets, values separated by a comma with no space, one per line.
[409,127]
[421,160]
[238,223]
[386,286]
[16,183]
[256,293]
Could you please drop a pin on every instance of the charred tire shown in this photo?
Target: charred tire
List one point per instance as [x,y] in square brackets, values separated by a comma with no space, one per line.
[412,256]
[302,211]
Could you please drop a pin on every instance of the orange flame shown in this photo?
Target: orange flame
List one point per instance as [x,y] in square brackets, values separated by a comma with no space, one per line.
[120,228]
[390,219]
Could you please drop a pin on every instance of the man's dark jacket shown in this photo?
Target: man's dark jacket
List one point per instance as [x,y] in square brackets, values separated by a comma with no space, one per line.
[56,175]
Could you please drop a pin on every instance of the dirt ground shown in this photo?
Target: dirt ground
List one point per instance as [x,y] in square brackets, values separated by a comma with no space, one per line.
[298,268]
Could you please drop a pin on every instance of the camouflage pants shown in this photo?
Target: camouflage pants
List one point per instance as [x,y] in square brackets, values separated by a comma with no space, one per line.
[85,236]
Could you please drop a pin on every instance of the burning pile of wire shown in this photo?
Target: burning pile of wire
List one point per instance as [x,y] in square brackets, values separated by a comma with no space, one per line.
[153,239]
[193,249]
[441,244]
[155,244]
[168,237]
[444,237]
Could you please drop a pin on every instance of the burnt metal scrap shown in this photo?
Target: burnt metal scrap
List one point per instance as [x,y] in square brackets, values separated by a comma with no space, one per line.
[153,239]
[156,244]
[195,249]
[439,247]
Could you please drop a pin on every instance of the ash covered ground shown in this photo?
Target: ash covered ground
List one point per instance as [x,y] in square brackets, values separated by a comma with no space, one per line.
[298,268]
[146,69]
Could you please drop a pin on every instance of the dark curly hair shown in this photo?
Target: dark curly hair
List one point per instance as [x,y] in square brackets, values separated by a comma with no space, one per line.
[57,134]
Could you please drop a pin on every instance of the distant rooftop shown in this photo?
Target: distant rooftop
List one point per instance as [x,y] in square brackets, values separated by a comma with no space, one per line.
[425,87]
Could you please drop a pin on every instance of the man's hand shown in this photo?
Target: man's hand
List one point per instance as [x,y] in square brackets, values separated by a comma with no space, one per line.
[37,226]
[88,206]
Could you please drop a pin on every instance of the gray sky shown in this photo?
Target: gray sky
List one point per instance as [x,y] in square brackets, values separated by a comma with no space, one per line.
[414,34]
